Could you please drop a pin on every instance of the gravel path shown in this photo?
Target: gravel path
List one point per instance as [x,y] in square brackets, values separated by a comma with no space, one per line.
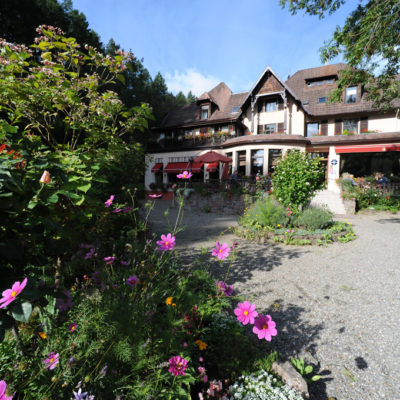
[337,306]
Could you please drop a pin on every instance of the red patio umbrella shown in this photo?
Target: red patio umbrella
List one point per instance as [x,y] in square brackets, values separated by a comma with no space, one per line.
[211,157]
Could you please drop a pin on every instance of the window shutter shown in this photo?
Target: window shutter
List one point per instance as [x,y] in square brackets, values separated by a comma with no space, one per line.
[260,129]
[280,127]
[324,128]
[280,106]
[338,126]
[363,124]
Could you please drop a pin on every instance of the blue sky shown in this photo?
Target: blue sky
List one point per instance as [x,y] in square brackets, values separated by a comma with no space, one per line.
[196,44]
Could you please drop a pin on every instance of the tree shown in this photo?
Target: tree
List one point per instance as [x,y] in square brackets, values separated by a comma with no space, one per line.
[191,98]
[370,44]
[296,178]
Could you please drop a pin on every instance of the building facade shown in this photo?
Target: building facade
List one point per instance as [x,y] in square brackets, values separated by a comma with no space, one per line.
[255,128]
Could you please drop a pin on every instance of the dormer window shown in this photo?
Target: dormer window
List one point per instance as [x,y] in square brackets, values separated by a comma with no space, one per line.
[321,100]
[351,94]
[235,110]
[205,112]
[271,105]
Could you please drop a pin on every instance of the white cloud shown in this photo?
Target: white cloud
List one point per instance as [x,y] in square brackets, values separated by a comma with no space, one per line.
[190,80]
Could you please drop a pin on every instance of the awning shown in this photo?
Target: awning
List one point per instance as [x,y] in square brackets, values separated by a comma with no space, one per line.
[176,167]
[196,167]
[212,167]
[157,167]
[368,148]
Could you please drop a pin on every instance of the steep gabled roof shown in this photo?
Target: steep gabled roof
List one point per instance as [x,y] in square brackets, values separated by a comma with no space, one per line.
[271,71]
[309,95]
[221,95]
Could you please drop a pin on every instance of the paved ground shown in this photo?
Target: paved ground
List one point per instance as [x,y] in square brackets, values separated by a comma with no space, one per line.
[337,306]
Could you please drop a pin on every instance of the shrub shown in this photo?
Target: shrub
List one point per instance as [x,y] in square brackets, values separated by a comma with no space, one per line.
[265,213]
[296,178]
[313,218]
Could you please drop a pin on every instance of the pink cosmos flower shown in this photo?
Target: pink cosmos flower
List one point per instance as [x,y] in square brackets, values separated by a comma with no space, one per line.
[177,365]
[201,370]
[109,201]
[125,263]
[51,361]
[72,327]
[246,312]
[264,327]
[221,251]
[3,388]
[10,295]
[221,286]
[132,280]
[155,196]
[63,304]
[184,175]
[166,242]
[117,210]
[109,260]
[205,378]
[127,209]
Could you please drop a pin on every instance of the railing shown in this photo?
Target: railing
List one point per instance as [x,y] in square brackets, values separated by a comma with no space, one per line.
[196,141]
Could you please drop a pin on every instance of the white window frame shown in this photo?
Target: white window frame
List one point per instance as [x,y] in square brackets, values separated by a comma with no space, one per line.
[310,134]
[268,130]
[270,103]
[353,122]
[205,108]
[351,95]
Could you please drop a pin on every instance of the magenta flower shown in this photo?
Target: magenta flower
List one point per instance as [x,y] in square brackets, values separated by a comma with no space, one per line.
[91,253]
[166,242]
[184,175]
[229,290]
[109,201]
[221,251]
[117,210]
[109,260]
[10,295]
[221,286]
[64,304]
[177,365]
[155,196]
[72,327]
[264,327]
[3,388]
[246,312]
[127,209]
[125,263]
[132,280]
[51,361]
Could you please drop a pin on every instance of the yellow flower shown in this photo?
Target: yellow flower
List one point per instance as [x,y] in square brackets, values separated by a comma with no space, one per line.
[201,344]
[43,335]
[168,301]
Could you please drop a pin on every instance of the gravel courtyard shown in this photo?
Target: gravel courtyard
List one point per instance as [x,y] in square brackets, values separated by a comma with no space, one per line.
[337,306]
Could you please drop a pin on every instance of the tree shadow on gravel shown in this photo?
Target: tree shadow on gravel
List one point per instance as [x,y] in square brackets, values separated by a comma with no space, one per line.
[296,337]
[388,221]
[250,258]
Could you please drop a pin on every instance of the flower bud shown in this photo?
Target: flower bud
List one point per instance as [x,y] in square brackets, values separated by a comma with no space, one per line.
[45,177]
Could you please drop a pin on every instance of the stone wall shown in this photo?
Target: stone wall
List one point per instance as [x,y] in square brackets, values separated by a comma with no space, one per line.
[222,202]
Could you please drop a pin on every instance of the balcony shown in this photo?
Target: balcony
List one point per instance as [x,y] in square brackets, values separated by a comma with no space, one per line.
[194,141]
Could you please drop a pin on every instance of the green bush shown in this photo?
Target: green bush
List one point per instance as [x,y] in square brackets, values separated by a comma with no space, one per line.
[296,178]
[313,218]
[265,213]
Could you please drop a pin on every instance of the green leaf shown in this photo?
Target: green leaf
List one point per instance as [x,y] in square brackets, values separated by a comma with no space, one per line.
[121,78]
[52,199]
[84,188]
[316,378]
[22,312]
[32,204]
[308,369]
